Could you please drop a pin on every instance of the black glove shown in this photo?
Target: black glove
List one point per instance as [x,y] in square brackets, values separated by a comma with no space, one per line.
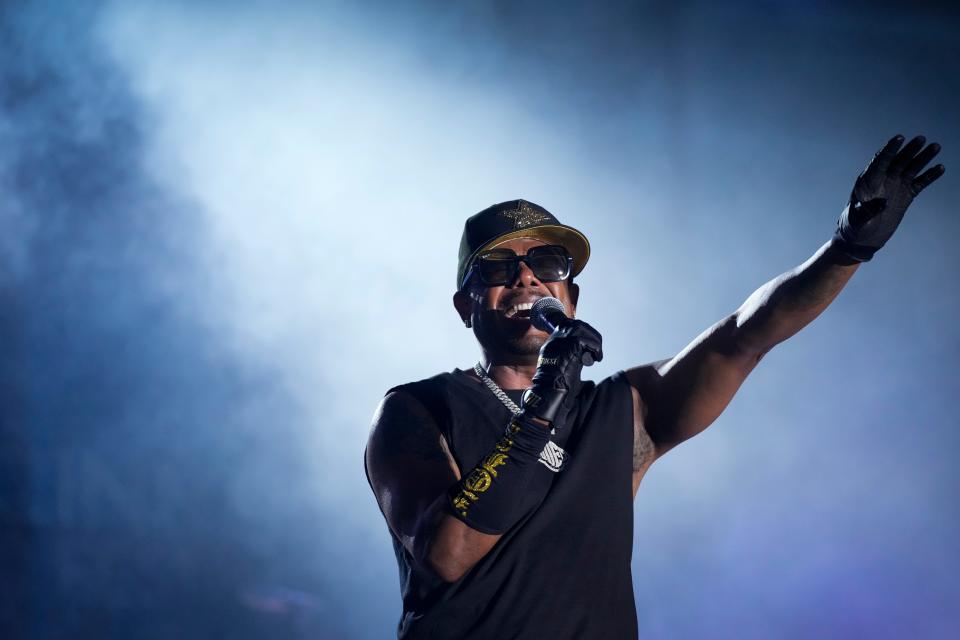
[558,369]
[881,195]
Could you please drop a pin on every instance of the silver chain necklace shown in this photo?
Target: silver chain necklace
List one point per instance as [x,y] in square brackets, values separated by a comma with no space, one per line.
[558,454]
[500,393]
[497,391]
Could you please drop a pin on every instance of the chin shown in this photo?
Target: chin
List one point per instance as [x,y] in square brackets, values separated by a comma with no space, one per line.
[527,345]
[509,339]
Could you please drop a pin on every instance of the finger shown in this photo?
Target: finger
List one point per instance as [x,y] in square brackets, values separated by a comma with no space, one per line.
[595,351]
[906,155]
[925,178]
[883,157]
[918,163]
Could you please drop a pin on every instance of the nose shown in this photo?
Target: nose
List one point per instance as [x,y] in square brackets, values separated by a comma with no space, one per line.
[525,276]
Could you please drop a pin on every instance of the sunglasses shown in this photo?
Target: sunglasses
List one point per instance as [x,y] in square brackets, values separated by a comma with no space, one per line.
[549,263]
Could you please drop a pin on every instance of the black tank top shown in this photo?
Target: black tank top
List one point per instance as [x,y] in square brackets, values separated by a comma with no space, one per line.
[563,571]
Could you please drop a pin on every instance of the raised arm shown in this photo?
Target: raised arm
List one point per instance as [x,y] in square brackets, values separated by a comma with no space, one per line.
[678,398]
[683,395]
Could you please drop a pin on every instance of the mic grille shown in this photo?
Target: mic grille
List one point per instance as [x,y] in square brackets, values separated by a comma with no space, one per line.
[541,311]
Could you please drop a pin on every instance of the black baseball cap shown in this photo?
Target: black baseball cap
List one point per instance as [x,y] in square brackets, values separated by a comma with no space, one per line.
[517,219]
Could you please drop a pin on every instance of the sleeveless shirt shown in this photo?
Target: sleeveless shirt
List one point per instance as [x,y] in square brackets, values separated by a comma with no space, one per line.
[563,570]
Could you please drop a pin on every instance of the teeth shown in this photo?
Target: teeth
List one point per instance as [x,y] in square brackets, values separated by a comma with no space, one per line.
[512,311]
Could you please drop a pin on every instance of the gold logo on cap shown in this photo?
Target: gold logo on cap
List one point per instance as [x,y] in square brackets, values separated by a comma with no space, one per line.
[524,215]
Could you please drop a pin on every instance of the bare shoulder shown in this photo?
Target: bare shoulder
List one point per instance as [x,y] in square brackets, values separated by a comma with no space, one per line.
[408,463]
[645,379]
[403,428]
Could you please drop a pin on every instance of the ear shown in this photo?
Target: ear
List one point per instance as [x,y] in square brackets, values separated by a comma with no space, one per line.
[574,290]
[464,306]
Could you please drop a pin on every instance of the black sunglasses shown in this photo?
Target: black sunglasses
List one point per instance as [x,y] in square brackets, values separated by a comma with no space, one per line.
[549,263]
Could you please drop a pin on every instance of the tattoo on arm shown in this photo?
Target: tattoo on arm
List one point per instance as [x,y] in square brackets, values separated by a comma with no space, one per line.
[643,447]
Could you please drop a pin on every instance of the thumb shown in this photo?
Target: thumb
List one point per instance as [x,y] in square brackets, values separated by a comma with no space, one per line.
[863,212]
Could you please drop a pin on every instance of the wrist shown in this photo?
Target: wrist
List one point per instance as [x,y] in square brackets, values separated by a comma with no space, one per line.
[488,496]
[854,253]
[542,404]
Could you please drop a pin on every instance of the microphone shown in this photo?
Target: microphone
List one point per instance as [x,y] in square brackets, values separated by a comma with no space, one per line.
[547,314]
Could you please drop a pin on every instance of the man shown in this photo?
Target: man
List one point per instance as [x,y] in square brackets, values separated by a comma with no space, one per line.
[508,487]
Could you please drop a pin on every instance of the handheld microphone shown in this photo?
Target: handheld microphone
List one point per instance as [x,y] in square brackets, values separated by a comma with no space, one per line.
[547,314]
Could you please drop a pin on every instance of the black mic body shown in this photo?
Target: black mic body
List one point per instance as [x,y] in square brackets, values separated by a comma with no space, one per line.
[547,314]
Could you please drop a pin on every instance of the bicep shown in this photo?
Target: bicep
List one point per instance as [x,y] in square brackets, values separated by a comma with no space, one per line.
[686,393]
[408,463]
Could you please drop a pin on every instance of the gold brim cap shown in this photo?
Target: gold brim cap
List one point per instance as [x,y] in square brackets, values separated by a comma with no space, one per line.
[517,219]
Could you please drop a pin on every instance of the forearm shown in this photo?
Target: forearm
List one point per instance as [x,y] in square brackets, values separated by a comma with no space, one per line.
[469,519]
[789,302]
[451,548]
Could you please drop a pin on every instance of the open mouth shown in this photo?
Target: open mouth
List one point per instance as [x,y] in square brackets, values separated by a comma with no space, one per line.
[521,310]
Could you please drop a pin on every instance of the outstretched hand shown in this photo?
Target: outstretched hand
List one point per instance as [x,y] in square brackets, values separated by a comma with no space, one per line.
[882,193]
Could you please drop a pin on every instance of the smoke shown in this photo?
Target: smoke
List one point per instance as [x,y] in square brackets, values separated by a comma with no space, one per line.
[230,228]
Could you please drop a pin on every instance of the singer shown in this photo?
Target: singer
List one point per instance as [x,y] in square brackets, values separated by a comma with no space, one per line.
[508,486]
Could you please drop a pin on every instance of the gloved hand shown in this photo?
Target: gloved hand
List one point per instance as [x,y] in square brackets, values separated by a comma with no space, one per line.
[558,369]
[881,195]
